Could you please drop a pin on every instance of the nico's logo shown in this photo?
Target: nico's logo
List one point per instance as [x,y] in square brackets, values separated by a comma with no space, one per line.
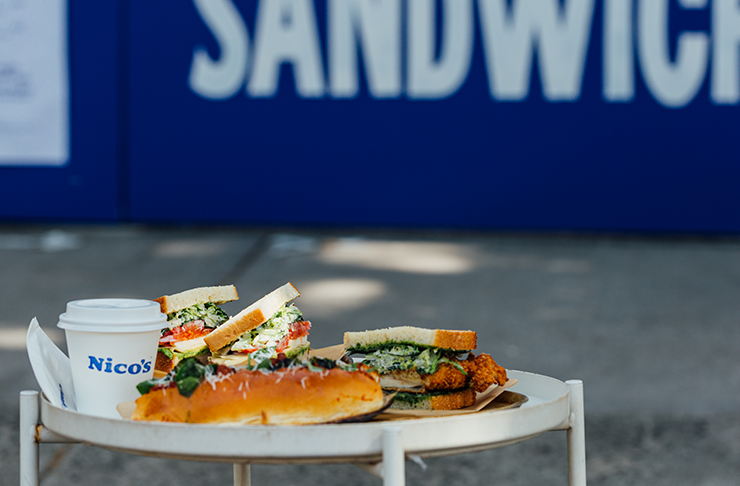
[106,366]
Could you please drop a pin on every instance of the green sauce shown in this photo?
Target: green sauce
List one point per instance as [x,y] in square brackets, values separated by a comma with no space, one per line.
[402,357]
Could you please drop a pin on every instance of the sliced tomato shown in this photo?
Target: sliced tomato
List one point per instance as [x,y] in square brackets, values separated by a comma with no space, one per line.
[189,330]
[299,329]
[247,351]
[225,370]
[167,338]
[283,343]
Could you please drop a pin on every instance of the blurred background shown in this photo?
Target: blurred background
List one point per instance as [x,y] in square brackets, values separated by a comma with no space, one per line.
[559,175]
[541,115]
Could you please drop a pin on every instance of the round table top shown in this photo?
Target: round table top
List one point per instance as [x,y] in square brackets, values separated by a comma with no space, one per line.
[547,408]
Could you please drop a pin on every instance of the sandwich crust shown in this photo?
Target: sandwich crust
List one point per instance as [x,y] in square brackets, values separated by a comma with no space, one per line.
[251,317]
[291,396]
[218,295]
[233,328]
[453,400]
[438,338]
[163,363]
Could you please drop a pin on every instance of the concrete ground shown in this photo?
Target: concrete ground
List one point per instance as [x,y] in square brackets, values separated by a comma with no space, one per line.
[651,325]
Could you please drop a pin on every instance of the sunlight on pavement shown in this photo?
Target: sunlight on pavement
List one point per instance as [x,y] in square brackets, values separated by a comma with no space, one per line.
[189,248]
[400,256]
[324,298]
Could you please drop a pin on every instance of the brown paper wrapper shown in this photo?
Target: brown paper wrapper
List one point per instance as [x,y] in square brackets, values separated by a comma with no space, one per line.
[483,400]
[330,352]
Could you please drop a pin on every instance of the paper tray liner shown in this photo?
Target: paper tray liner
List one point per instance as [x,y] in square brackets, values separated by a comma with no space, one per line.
[330,352]
[483,401]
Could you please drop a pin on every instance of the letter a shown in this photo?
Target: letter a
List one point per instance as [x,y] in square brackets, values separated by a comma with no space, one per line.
[286,32]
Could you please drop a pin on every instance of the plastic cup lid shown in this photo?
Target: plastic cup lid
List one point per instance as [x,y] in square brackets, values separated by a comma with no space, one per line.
[113,315]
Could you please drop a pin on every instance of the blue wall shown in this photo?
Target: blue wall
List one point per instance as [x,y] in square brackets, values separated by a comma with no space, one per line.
[522,125]
[86,189]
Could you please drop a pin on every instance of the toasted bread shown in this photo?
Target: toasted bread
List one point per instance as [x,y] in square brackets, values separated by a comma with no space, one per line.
[251,317]
[290,396]
[438,338]
[452,400]
[218,295]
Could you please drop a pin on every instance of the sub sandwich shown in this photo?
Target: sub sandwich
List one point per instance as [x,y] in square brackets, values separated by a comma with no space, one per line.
[426,369]
[280,391]
[191,315]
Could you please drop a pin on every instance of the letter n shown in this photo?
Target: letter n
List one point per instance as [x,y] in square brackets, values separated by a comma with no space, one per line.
[95,363]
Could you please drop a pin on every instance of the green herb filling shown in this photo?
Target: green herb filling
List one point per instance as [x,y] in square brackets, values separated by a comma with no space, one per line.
[211,315]
[403,357]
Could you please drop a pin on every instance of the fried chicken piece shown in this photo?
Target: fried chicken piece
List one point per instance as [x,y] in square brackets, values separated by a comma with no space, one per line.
[447,377]
[483,372]
[480,373]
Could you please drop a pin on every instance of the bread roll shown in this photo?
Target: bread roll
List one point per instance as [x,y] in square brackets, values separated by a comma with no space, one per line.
[288,396]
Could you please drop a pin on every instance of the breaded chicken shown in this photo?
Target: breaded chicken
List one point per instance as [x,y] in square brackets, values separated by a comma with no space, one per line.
[480,373]
[447,377]
[483,372]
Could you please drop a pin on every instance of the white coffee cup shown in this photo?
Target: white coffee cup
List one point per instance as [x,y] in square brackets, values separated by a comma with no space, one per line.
[112,346]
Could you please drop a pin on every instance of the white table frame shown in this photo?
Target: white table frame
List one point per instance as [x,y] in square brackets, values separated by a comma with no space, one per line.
[378,447]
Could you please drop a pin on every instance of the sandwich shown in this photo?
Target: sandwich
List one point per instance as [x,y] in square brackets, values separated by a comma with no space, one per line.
[426,369]
[280,391]
[272,327]
[191,315]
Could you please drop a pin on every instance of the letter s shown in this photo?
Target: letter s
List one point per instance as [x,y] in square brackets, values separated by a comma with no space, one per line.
[221,79]
[147,367]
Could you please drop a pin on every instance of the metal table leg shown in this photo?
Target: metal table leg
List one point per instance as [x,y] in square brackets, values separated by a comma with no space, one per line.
[394,472]
[242,474]
[29,450]
[393,465]
[576,436]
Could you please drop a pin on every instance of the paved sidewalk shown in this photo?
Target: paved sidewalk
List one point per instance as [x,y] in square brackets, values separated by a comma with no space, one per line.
[649,324]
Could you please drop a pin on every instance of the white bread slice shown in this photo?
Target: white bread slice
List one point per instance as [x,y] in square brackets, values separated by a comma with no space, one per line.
[438,338]
[452,400]
[176,302]
[251,317]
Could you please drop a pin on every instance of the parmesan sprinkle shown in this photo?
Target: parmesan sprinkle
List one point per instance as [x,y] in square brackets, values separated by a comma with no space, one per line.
[217,378]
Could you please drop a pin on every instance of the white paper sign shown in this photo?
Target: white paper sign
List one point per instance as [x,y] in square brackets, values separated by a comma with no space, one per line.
[34,83]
